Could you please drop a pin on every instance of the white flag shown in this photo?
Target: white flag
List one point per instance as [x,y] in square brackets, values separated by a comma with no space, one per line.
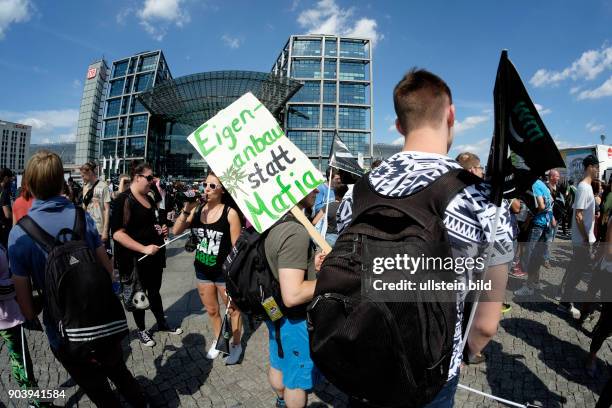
[117,159]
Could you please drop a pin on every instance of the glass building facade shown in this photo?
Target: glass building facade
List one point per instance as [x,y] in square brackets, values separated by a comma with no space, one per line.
[129,132]
[337,95]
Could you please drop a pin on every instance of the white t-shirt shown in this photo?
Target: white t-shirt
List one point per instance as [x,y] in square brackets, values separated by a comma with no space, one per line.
[585,200]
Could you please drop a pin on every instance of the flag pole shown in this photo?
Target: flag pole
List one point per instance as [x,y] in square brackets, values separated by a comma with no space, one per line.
[496,191]
[329,179]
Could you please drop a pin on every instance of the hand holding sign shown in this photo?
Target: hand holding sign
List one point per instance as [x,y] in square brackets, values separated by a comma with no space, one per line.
[265,173]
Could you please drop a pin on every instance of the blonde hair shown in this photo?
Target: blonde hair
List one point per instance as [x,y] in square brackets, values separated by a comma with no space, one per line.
[44,175]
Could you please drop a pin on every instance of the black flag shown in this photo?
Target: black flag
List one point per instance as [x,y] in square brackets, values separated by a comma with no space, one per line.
[340,157]
[519,130]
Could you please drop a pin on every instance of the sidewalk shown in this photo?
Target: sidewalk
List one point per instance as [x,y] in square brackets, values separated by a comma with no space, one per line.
[536,357]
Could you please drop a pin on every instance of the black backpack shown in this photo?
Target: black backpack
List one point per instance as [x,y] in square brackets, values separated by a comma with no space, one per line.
[78,292]
[249,280]
[392,354]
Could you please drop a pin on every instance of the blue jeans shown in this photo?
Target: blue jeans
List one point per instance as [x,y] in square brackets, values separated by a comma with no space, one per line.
[552,238]
[446,396]
[533,255]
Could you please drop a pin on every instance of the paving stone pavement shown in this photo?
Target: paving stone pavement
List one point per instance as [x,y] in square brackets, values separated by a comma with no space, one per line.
[536,357]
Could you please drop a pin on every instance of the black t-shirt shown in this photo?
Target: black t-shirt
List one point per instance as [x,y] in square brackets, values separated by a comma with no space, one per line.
[215,242]
[139,223]
[331,217]
[5,201]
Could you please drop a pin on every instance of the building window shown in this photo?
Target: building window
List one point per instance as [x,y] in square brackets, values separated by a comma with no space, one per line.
[124,105]
[354,118]
[331,47]
[306,47]
[120,68]
[113,107]
[310,92]
[116,88]
[137,125]
[110,128]
[356,142]
[308,142]
[108,147]
[327,139]
[306,68]
[122,127]
[354,70]
[330,69]
[329,117]
[354,49]
[329,92]
[135,147]
[303,116]
[137,106]
[353,93]
[148,63]
[142,82]
[128,84]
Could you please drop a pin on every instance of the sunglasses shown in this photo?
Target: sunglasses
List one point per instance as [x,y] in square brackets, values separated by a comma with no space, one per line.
[212,186]
[149,178]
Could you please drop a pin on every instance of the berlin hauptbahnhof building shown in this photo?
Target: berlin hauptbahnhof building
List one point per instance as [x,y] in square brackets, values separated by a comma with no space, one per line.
[136,109]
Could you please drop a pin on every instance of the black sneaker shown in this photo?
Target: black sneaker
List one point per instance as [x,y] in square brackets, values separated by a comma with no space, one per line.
[145,338]
[164,327]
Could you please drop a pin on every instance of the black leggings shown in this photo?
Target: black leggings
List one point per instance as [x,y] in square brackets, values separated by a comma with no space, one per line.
[603,328]
[150,274]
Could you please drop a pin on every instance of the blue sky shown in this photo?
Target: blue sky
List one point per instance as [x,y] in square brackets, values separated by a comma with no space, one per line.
[562,49]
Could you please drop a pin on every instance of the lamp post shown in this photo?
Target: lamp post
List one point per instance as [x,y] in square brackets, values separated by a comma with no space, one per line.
[603,139]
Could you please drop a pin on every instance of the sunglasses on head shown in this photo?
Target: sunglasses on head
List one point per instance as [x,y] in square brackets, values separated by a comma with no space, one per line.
[212,186]
[149,178]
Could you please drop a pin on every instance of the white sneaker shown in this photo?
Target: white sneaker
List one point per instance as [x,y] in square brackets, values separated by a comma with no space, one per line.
[524,291]
[234,355]
[212,351]
[574,312]
[145,338]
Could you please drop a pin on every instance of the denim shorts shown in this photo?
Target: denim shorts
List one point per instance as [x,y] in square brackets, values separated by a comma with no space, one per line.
[206,278]
[299,371]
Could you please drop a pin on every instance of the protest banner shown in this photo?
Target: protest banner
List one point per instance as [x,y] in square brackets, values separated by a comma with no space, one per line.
[265,173]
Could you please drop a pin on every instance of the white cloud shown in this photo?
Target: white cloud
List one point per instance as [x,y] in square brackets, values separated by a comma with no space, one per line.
[157,15]
[232,42]
[399,141]
[541,110]
[562,144]
[77,84]
[480,148]
[469,123]
[590,64]
[55,124]
[604,90]
[328,18]
[595,127]
[392,128]
[13,11]
[575,89]
[123,15]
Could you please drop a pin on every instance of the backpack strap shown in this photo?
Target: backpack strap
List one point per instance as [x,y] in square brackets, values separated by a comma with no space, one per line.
[432,199]
[277,334]
[35,231]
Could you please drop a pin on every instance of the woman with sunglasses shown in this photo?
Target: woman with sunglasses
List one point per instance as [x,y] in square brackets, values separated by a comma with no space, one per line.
[217,227]
[136,232]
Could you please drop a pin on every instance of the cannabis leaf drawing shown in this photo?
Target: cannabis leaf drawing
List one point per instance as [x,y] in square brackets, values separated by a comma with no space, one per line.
[232,178]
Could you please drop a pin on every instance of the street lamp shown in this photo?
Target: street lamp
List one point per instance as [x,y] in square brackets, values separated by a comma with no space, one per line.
[603,139]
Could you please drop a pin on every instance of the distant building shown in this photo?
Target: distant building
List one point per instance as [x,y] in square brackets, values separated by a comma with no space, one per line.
[384,150]
[14,145]
[89,126]
[336,96]
[66,151]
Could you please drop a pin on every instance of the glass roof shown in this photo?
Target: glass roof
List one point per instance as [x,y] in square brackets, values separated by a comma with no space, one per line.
[193,99]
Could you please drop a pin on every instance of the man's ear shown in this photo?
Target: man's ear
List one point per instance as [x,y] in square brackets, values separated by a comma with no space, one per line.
[451,116]
[398,127]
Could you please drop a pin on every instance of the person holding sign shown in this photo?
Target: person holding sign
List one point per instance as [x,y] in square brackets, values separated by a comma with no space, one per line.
[136,231]
[217,227]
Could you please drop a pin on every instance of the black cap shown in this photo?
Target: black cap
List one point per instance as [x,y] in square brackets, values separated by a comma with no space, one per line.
[590,160]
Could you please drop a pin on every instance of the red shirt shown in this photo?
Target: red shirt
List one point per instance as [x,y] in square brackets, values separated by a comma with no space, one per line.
[21,206]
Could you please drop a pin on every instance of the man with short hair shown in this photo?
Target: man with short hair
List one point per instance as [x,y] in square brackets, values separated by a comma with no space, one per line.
[558,205]
[471,162]
[55,213]
[289,253]
[96,199]
[425,117]
[583,235]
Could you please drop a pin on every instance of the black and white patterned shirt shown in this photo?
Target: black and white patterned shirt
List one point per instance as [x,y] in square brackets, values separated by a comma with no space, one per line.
[469,217]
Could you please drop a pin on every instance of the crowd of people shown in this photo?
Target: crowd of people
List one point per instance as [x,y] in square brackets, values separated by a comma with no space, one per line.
[134,220]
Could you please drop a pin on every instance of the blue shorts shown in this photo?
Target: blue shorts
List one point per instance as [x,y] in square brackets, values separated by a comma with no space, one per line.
[299,371]
[203,277]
